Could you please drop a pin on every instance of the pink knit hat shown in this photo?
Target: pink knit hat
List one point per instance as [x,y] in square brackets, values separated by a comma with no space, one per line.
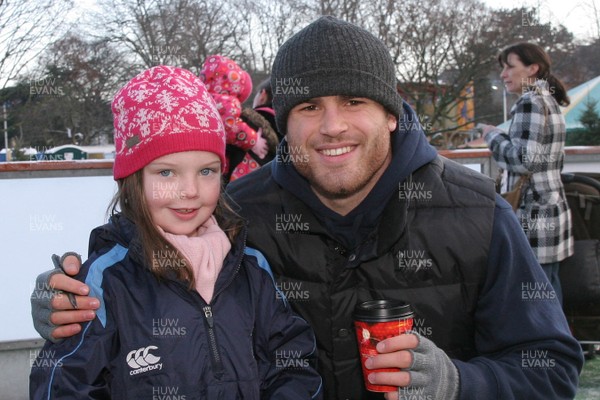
[161,111]
[221,75]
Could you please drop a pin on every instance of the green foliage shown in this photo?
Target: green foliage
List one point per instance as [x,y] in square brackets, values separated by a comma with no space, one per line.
[589,381]
[590,118]
[71,92]
[589,135]
[18,154]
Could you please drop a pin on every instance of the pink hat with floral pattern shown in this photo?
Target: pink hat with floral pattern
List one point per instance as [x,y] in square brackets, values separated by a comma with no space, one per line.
[221,75]
[161,111]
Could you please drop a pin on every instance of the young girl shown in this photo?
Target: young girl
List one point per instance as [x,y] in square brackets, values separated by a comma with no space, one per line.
[186,310]
[534,146]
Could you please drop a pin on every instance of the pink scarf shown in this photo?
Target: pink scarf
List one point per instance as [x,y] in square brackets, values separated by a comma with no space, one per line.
[205,254]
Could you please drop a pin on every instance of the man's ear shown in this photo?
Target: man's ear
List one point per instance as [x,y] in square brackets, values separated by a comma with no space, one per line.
[392,122]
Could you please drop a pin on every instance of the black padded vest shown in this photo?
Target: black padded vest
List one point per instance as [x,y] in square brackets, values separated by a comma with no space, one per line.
[430,249]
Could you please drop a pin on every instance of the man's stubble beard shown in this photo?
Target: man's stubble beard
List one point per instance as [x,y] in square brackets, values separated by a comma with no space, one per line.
[330,185]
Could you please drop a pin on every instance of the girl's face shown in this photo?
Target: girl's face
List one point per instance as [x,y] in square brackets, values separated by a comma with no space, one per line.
[517,75]
[182,190]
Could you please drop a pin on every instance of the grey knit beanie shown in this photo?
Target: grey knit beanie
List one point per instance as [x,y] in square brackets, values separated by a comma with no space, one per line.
[331,57]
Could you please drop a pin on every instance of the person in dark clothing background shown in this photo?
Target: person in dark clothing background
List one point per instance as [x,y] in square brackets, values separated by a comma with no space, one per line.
[358,206]
[262,116]
[263,103]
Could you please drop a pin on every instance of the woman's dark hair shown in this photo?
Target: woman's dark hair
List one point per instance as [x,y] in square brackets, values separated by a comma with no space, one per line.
[131,202]
[530,53]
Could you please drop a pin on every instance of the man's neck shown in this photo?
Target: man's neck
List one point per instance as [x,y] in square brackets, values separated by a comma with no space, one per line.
[343,205]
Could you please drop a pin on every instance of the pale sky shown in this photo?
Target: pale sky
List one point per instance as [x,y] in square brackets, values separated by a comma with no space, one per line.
[576,15]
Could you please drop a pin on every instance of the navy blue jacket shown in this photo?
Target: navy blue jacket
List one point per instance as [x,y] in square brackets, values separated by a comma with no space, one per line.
[432,233]
[156,339]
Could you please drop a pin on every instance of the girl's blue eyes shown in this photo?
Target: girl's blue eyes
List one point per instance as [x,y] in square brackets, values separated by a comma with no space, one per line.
[205,171]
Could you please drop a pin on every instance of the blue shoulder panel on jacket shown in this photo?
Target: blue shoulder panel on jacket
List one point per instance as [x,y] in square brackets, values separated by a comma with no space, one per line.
[264,264]
[94,276]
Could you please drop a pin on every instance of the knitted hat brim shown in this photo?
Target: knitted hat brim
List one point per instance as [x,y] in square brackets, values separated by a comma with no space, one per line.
[157,146]
[289,92]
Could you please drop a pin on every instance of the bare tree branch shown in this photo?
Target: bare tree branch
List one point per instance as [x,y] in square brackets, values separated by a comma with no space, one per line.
[26,28]
[173,32]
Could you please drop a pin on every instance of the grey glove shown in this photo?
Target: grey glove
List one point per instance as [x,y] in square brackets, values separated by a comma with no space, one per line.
[41,298]
[432,374]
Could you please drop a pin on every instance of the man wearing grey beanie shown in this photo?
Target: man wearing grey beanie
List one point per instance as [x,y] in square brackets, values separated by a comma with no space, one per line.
[358,206]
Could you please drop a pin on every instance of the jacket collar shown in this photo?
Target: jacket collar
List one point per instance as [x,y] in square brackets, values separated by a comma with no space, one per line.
[124,232]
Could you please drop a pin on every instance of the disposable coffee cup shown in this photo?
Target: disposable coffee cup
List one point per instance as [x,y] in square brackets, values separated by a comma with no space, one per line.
[377,320]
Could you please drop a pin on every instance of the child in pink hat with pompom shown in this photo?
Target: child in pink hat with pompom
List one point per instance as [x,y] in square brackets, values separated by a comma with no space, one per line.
[230,86]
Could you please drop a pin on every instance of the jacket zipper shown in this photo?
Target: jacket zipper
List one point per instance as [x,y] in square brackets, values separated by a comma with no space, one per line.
[235,272]
[208,317]
[212,342]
